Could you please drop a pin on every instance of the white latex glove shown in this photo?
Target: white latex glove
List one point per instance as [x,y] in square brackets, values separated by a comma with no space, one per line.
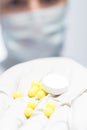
[20,77]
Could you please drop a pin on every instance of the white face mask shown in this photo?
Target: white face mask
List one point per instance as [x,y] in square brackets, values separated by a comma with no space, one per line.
[34,34]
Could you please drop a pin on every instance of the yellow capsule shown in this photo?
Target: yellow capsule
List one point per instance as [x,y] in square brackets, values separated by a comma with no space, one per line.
[42,88]
[45,92]
[51,105]
[32,104]
[48,112]
[38,84]
[36,87]
[40,95]
[28,112]
[32,92]
[17,94]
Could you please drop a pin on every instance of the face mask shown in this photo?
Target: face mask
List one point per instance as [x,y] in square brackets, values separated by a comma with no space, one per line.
[34,34]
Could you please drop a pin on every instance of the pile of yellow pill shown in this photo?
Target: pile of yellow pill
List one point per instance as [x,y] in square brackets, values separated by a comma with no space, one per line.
[37,91]
[49,109]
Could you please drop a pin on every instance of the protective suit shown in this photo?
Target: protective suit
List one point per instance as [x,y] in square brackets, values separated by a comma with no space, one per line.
[70,113]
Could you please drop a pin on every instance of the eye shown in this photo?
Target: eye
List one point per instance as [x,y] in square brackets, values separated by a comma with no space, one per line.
[48,3]
[17,2]
[14,3]
[12,6]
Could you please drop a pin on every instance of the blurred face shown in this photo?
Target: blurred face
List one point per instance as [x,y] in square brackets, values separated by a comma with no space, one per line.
[15,6]
[39,33]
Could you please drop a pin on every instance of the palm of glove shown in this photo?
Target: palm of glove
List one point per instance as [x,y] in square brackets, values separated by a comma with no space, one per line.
[19,78]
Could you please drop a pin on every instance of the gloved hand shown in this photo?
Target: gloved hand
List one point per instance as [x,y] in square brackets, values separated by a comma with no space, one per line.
[20,77]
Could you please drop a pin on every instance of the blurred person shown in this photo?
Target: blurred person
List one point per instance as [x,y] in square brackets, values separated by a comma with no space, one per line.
[32,29]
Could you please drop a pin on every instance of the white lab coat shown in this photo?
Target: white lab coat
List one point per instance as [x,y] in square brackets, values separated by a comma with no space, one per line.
[71,111]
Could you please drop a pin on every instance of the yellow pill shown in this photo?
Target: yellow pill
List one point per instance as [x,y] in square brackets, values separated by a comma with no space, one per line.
[40,95]
[48,112]
[17,94]
[32,104]
[32,92]
[36,88]
[28,112]
[38,84]
[42,88]
[45,92]
[51,105]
